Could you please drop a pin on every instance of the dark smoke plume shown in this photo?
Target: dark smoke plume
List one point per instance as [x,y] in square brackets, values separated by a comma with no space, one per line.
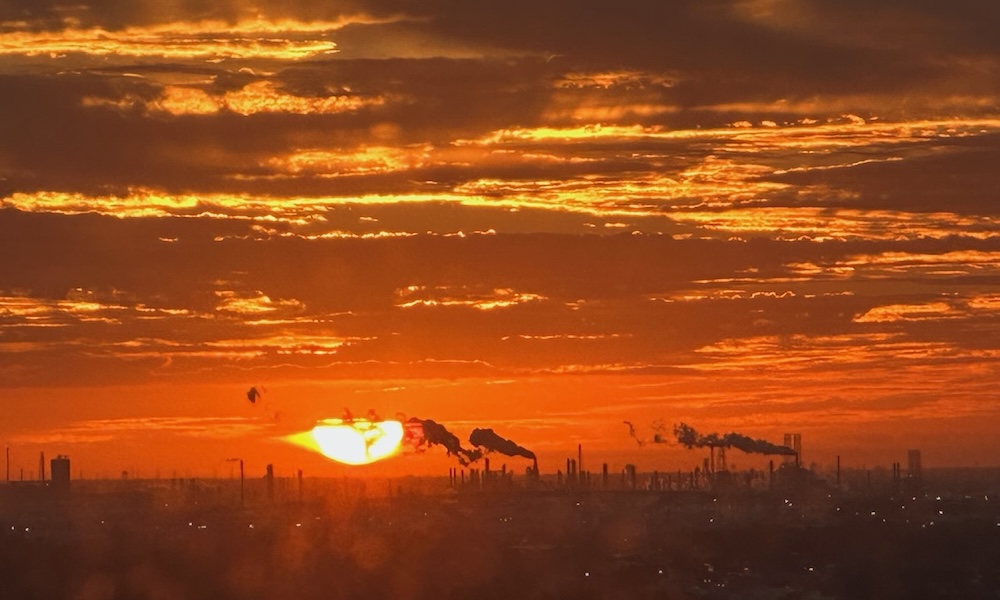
[371,416]
[255,395]
[690,438]
[432,433]
[658,436]
[490,441]
[631,432]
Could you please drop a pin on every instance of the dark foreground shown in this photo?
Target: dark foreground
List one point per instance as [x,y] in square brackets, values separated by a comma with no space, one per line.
[507,543]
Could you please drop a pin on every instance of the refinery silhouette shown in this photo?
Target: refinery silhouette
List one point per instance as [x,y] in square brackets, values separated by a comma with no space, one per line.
[492,531]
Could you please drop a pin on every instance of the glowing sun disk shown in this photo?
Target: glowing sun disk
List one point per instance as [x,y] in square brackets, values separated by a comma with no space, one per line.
[355,442]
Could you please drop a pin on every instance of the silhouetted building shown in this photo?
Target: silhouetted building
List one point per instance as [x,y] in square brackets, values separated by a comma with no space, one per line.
[60,473]
[269,479]
[913,463]
[630,477]
[914,472]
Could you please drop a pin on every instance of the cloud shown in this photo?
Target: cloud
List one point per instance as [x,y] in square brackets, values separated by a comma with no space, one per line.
[789,199]
[117,429]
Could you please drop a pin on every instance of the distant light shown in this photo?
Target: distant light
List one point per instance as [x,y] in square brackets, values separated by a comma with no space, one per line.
[251,525]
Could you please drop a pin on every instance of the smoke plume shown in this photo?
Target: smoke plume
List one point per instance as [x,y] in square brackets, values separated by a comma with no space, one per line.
[688,437]
[252,395]
[432,433]
[657,437]
[255,395]
[491,442]
[631,432]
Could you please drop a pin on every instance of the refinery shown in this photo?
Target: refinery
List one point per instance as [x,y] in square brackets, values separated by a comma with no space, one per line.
[502,526]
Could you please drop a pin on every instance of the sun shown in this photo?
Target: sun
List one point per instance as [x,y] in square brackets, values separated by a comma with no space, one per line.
[354,441]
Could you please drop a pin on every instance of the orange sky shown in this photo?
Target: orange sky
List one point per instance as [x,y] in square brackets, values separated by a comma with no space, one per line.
[759,216]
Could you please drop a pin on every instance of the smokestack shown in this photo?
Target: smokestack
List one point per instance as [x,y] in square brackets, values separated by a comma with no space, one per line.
[300,486]
[41,466]
[579,457]
[604,475]
[8,464]
[838,470]
[270,482]
[770,473]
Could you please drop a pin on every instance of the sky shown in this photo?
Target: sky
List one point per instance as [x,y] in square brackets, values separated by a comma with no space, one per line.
[762,216]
